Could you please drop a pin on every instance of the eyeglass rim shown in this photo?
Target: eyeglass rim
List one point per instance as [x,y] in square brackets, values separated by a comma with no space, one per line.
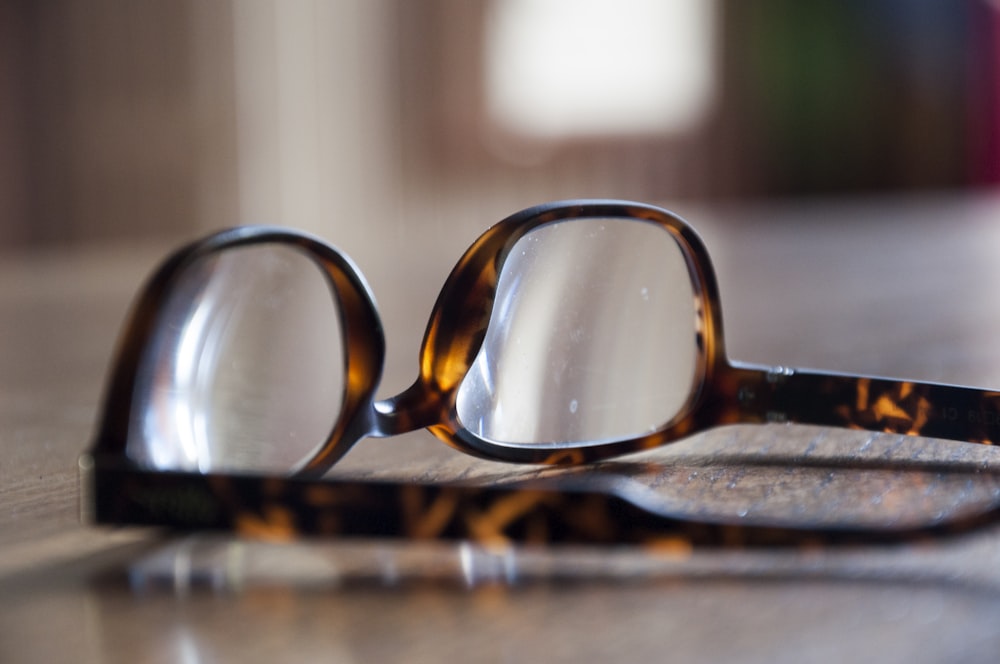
[361,329]
[461,313]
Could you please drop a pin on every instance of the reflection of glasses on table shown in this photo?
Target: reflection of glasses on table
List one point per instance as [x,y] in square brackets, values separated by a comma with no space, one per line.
[567,333]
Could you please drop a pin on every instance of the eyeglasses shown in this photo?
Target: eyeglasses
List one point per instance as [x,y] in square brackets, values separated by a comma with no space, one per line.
[567,333]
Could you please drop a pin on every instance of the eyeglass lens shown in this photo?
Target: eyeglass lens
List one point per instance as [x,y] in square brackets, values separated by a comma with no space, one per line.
[591,337]
[246,369]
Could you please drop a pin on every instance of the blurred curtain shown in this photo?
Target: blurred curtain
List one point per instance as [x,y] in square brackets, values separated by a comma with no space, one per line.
[130,118]
[116,118]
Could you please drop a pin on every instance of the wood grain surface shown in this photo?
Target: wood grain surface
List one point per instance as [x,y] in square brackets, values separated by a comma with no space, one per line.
[904,288]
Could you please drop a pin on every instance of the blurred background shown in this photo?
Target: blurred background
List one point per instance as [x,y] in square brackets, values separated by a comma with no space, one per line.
[128,119]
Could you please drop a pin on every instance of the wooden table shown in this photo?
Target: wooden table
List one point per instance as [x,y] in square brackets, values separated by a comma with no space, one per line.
[906,288]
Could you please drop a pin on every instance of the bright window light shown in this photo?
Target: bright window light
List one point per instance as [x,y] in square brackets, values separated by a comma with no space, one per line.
[564,68]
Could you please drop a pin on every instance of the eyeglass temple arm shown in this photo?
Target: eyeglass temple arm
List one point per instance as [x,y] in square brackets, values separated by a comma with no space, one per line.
[874,404]
[282,508]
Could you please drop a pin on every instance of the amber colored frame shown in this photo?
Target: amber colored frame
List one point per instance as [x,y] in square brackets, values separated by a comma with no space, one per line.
[598,509]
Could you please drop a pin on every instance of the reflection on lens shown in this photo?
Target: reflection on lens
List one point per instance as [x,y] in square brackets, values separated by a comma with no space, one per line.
[246,371]
[591,337]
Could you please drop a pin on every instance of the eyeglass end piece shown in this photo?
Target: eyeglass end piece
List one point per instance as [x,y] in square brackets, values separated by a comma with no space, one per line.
[87,510]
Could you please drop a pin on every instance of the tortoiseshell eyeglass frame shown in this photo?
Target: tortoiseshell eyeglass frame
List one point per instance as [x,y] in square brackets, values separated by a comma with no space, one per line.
[117,490]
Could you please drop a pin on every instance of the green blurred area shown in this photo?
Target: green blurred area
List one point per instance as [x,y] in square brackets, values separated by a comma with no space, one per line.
[847,95]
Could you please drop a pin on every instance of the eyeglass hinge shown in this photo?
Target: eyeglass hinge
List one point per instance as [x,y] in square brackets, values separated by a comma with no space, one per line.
[779,374]
[760,396]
